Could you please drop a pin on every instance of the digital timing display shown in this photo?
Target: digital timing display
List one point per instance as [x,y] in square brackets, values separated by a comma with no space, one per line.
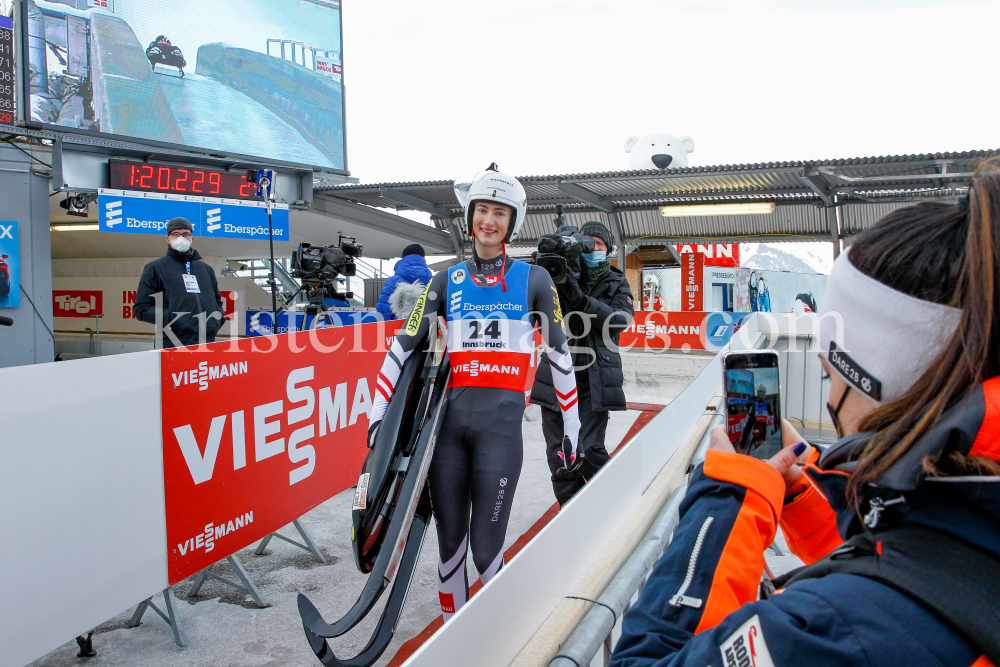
[143,176]
[6,71]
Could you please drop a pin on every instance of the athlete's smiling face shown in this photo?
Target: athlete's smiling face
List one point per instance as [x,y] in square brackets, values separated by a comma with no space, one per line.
[490,222]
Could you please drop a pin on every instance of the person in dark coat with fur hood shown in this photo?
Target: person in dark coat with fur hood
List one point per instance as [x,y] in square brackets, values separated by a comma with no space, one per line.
[601,296]
[401,291]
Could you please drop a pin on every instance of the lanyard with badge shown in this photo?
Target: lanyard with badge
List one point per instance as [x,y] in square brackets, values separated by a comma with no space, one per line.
[191,281]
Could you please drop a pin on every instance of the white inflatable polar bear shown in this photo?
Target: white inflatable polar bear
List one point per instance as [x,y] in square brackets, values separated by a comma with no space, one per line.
[659,151]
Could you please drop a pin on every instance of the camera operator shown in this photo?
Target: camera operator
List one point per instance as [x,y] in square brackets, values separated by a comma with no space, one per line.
[179,293]
[598,307]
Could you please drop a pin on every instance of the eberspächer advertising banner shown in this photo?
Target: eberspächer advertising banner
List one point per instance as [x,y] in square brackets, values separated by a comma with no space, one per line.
[256,432]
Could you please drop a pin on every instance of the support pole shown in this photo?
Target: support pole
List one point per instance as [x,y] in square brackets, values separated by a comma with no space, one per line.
[272,279]
[834,226]
[170,603]
[247,586]
[309,545]
[619,234]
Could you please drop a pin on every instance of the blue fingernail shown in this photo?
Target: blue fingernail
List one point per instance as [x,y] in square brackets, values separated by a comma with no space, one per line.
[799,448]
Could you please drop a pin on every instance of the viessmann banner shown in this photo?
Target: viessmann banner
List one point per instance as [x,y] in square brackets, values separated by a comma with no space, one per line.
[660,330]
[256,432]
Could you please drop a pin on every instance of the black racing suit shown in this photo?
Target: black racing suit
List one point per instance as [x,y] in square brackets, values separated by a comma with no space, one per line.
[477,459]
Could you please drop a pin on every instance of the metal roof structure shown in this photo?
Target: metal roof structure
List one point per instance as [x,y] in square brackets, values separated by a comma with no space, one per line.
[824,200]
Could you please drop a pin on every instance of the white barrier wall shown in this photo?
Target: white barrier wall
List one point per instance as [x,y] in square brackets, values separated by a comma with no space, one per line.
[493,627]
[81,504]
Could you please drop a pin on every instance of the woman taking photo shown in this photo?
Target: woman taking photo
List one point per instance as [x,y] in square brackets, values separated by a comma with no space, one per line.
[899,521]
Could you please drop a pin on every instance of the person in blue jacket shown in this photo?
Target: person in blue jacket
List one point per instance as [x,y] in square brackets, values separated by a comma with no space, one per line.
[914,481]
[409,270]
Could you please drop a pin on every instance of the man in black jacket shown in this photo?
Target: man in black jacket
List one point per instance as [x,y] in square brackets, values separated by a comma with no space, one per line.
[179,294]
[598,308]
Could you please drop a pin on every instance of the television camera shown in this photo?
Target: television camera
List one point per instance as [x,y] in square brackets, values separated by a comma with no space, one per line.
[560,253]
[318,267]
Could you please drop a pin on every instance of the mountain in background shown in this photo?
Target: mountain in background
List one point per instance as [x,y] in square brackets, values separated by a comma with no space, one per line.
[794,257]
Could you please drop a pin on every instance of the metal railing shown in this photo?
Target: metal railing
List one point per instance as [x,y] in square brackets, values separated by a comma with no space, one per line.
[601,627]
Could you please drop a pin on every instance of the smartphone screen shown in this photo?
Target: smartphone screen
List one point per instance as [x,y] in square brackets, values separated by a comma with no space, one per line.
[753,410]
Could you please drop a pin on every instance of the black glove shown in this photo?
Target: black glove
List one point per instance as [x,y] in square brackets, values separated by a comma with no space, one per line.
[570,295]
[373,433]
[572,465]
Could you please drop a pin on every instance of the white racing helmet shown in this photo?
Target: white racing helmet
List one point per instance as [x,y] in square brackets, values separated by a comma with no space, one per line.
[494,186]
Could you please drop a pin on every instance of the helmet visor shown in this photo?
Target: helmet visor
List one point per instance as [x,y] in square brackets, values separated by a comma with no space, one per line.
[464,183]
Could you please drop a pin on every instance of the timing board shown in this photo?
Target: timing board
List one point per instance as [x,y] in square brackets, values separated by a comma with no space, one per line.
[6,71]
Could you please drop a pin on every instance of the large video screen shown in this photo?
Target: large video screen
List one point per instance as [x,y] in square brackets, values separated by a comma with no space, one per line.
[261,78]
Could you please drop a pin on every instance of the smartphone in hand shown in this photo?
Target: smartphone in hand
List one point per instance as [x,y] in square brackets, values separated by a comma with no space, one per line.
[753,402]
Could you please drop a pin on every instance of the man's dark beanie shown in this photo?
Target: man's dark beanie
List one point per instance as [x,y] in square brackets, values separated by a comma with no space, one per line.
[413,249]
[179,223]
[597,230]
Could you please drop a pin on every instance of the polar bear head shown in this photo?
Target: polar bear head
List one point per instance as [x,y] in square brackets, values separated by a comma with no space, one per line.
[659,151]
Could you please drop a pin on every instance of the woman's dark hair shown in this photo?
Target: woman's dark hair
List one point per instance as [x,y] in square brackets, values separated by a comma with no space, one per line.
[948,254]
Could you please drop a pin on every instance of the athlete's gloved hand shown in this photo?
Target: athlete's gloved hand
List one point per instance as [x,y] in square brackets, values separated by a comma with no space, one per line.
[570,295]
[373,433]
[570,458]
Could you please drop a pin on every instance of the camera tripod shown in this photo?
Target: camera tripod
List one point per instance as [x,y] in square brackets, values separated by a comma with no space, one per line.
[315,292]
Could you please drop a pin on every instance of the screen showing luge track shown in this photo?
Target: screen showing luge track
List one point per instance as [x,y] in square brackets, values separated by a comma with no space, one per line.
[261,78]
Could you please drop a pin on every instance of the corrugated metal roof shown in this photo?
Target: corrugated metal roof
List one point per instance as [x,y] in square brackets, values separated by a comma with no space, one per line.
[864,189]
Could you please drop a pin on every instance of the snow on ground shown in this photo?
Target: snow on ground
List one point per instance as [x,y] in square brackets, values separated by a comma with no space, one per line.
[225,629]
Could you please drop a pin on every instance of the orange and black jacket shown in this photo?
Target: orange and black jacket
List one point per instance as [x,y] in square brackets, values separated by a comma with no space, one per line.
[700,607]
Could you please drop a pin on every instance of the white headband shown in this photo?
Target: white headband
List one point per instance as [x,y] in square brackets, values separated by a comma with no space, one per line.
[887,339]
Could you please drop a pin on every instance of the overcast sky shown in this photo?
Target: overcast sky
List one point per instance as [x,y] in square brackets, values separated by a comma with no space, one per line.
[556,86]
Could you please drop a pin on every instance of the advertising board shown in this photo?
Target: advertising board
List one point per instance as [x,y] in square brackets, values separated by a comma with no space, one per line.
[125,212]
[258,431]
[716,254]
[77,300]
[77,303]
[660,330]
[261,322]
[10,265]
[692,281]
[256,78]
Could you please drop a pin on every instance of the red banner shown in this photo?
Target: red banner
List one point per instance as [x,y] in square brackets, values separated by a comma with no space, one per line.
[692,281]
[716,254]
[77,303]
[258,431]
[659,330]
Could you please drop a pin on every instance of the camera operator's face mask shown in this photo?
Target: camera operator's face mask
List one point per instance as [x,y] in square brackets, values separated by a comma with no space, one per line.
[595,258]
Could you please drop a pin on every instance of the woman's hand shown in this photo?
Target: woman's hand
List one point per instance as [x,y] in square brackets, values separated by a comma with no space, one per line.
[795,451]
[718,439]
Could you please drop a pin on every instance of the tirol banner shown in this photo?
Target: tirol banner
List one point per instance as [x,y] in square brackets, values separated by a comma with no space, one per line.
[258,431]
[659,330]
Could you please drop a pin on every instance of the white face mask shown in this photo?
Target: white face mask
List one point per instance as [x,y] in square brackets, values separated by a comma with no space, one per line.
[180,244]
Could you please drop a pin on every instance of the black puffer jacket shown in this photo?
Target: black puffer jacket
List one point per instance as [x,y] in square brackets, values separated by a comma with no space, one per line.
[163,275]
[608,303]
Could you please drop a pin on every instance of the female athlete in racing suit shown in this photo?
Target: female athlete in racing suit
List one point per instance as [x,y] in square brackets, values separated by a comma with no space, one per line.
[492,304]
